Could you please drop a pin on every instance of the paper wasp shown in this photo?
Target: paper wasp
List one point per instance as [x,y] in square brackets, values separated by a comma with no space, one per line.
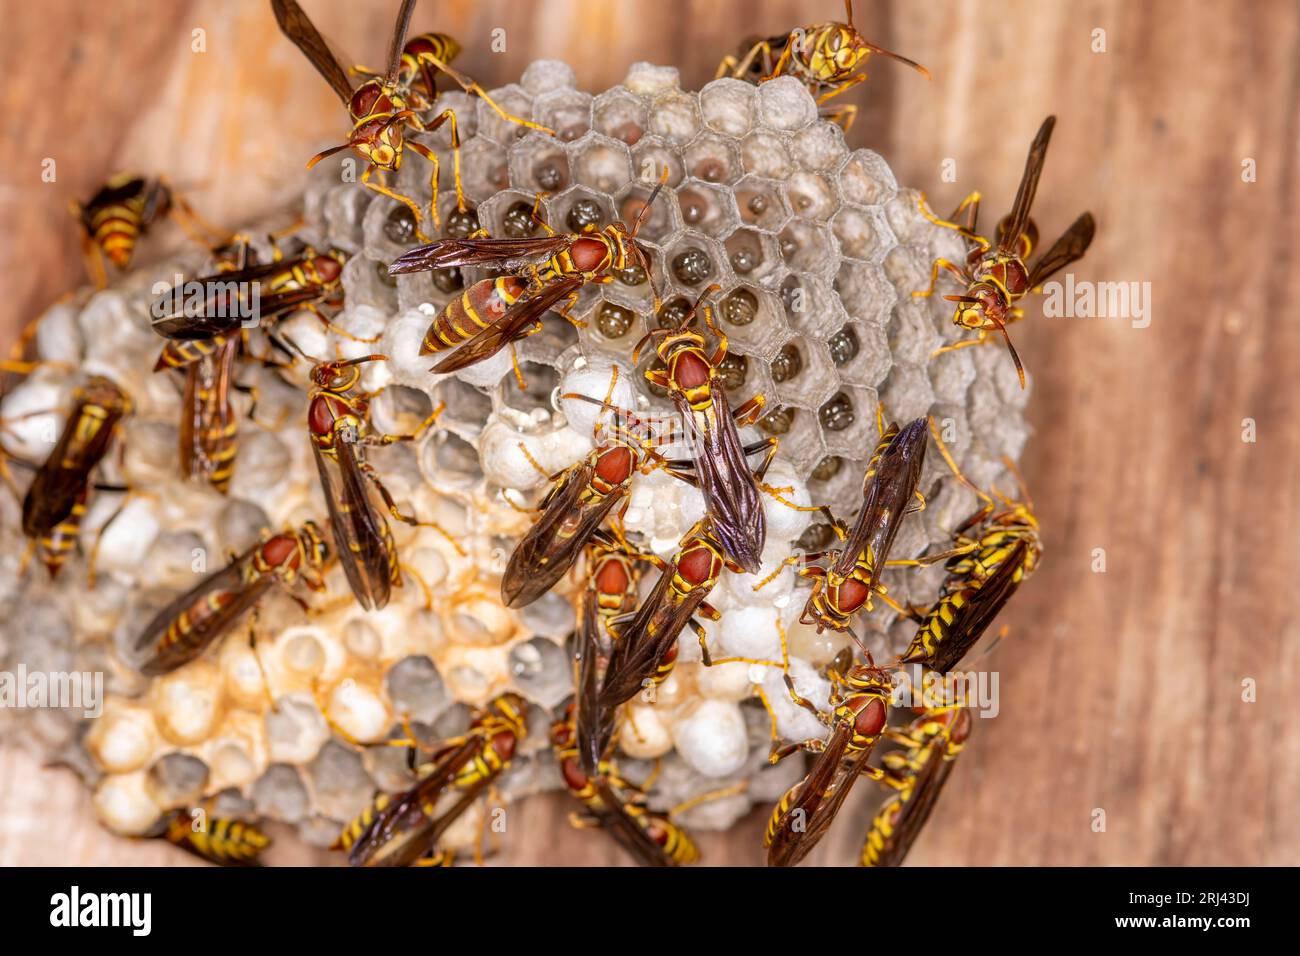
[496,312]
[56,500]
[577,504]
[267,290]
[829,59]
[996,549]
[220,840]
[124,208]
[337,421]
[995,274]
[398,831]
[384,106]
[731,490]
[888,486]
[860,709]
[187,626]
[579,741]
[918,775]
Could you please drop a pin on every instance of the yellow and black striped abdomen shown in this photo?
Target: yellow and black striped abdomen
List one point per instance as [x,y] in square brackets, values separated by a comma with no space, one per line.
[55,546]
[223,841]
[478,307]
[116,229]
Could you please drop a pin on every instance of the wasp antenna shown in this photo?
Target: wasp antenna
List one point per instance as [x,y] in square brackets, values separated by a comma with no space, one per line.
[645,209]
[1015,356]
[298,348]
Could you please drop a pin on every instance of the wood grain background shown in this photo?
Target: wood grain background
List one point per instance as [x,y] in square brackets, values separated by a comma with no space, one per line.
[1120,690]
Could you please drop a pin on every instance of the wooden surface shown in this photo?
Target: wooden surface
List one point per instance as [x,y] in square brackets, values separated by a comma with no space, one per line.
[1120,691]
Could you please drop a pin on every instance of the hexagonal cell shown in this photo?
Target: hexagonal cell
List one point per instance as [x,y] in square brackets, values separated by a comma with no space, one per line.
[761,203]
[907,394]
[865,292]
[540,381]
[784,103]
[567,112]
[751,318]
[611,326]
[652,156]
[848,421]
[675,117]
[797,430]
[620,115]
[811,196]
[513,100]
[811,306]
[367,282]
[764,154]
[802,373]
[713,159]
[727,105]
[753,255]
[861,354]
[580,208]
[484,168]
[867,179]
[176,779]
[600,162]
[662,220]
[464,404]
[707,208]
[820,147]
[693,260]
[911,332]
[863,233]
[537,161]
[510,215]
[807,247]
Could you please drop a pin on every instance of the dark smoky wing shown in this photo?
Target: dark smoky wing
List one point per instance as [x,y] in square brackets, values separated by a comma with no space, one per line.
[399,39]
[730,490]
[216,317]
[594,724]
[358,538]
[1069,248]
[886,501]
[637,652]
[113,195]
[297,26]
[228,580]
[406,817]
[1016,220]
[973,618]
[453,253]
[920,801]
[541,557]
[789,845]
[626,830]
[849,772]
[63,476]
[510,327]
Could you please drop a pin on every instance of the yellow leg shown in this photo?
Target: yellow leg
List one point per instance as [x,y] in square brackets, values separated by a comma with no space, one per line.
[956,270]
[473,89]
[406,201]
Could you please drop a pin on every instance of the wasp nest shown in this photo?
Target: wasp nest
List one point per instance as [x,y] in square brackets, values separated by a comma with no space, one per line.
[816,250]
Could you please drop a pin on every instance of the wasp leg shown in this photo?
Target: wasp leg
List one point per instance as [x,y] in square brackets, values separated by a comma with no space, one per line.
[406,201]
[369,471]
[473,89]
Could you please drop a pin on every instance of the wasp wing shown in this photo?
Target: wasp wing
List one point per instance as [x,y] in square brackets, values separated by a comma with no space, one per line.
[361,535]
[208,420]
[452,253]
[885,502]
[212,607]
[1069,248]
[399,39]
[791,843]
[509,328]
[641,644]
[555,540]
[297,26]
[728,484]
[984,602]
[403,830]
[916,803]
[63,476]
[1014,224]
